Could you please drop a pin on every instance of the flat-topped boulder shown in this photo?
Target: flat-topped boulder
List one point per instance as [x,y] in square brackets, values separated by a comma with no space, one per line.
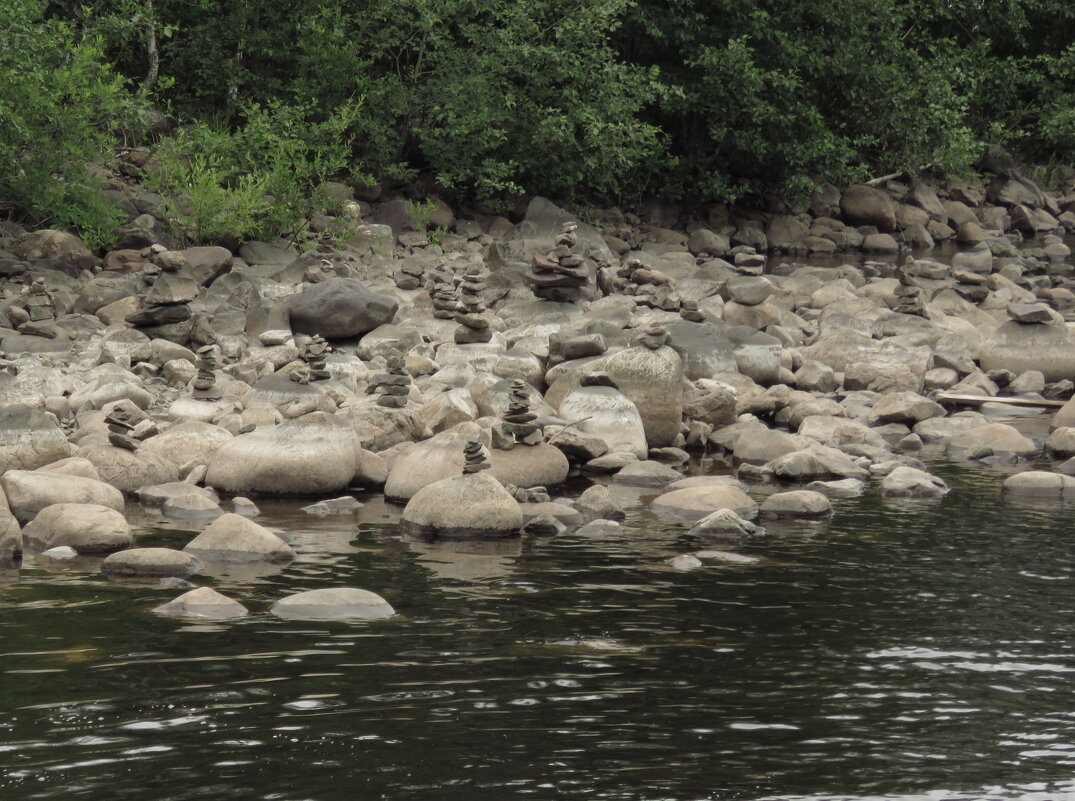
[466,506]
[795,504]
[311,455]
[151,563]
[338,603]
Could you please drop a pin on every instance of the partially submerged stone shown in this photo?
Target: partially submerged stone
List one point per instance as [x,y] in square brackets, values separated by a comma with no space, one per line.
[795,504]
[151,563]
[233,538]
[86,527]
[473,505]
[203,603]
[1040,484]
[694,503]
[343,603]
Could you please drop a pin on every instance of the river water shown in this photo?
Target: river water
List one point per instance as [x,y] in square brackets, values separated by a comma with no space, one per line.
[902,650]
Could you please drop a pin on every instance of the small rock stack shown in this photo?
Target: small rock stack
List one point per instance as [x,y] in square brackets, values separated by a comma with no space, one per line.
[518,423]
[442,293]
[38,302]
[473,323]
[560,275]
[315,354]
[409,275]
[689,311]
[653,336]
[909,296]
[119,428]
[648,286]
[474,457]
[392,385]
[205,381]
[168,299]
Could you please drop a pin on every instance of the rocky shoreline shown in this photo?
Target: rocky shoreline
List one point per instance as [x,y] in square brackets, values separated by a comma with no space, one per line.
[470,373]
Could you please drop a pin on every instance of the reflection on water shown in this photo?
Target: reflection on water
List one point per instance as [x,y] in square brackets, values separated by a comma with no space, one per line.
[901,651]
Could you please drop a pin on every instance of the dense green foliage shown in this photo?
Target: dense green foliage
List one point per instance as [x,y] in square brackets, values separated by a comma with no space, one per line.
[611,99]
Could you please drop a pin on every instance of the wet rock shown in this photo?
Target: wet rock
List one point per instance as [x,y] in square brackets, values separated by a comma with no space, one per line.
[600,528]
[991,440]
[726,525]
[795,504]
[233,538]
[151,563]
[341,603]
[1040,484]
[203,603]
[684,562]
[598,502]
[465,506]
[156,495]
[86,527]
[909,482]
[845,488]
[191,506]
[816,463]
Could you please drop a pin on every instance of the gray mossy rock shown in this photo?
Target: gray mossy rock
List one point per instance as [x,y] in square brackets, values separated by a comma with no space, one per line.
[1019,347]
[340,603]
[608,414]
[191,506]
[653,381]
[86,527]
[991,440]
[1040,484]
[726,525]
[186,443]
[156,495]
[816,463]
[695,503]
[204,603]
[795,504]
[530,465]
[128,471]
[845,488]
[29,438]
[910,482]
[30,491]
[312,455]
[339,308]
[646,474]
[465,506]
[233,538]
[600,528]
[598,502]
[151,563]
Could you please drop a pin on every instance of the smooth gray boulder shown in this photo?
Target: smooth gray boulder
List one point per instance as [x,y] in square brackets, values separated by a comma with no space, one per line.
[234,538]
[86,527]
[30,491]
[186,443]
[608,414]
[646,474]
[695,503]
[473,505]
[341,603]
[29,438]
[151,563]
[795,504]
[129,471]
[311,455]
[991,440]
[203,603]
[1040,484]
[726,525]
[653,380]
[910,482]
[1020,347]
[339,308]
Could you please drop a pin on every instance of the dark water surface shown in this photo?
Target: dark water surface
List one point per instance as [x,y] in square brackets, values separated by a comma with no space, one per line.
[904,650]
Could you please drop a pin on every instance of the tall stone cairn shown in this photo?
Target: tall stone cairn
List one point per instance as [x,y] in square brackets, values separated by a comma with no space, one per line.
[560,274]
[518,421]
[473,322]
[207,361]
[648,286]
[119,430]
[392,385]
[442,293]
[474,460]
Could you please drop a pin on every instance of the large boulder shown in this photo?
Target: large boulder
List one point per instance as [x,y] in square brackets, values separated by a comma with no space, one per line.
[997,440]
[910,482]
[427,462]
[233,538]
[151,563]
[653,380]
[339,603]
[129,471]
[1040,484]
[313,454]
[30,491]
[465,506]
[86,527]
[694,503]
[192,442]
[29,438]
[864,205]
[795,504]
[1019,347]
[10,533]
[339,308]
[608,414]
[530,465]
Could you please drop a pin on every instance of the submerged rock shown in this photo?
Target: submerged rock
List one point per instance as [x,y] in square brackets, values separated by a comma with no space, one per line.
[151,563]
[343,603]
[203,603]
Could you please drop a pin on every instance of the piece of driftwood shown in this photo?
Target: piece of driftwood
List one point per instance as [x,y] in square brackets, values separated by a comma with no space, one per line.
[978,400]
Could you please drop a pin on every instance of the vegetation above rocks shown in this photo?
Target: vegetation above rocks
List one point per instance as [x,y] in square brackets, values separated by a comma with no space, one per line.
[612,99]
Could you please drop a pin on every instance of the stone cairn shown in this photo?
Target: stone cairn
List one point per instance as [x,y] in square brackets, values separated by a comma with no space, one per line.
[392,385]
[689,311]
[518,422]
[649,287]
[908,296]
[119,430]
[474,457]
[653,336]
[443,295]
[560,274]
[205,387]
[313,353]
[473,322]
[38,302]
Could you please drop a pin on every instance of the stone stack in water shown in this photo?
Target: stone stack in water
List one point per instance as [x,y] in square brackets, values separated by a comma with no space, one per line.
[119,430]
[560,275]
[392,385]
[648,286]
[473,323]
[205,381]
[518,424]
[474,457]
[442,294]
